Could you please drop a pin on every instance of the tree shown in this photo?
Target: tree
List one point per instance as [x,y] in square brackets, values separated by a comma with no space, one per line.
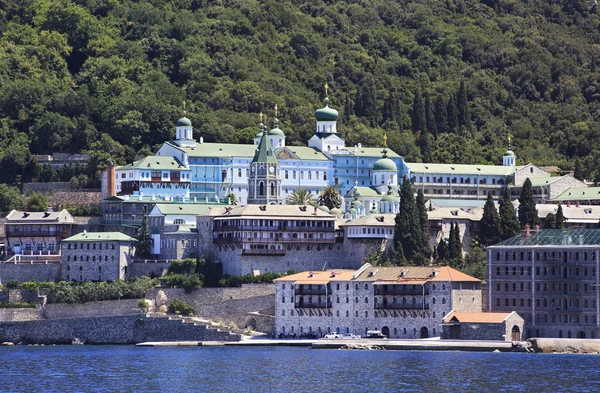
[377,258]
[423,222]
[399,258]
[330,197]
[490,228]
[508,218]
[452,113]
[419,116]
[464,118]
[442,250]
[37,202]
[528,214]
[300,196]
[475,263]
[441,115]
[429,115]
[143,246]
[408,231]
[10,198]
[454,246]
[232,198]
[559,219]
[365,104]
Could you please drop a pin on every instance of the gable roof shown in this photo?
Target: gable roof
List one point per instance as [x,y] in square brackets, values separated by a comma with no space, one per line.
[264,152]
[277,211]
[408,274]
[477,317]
[579,194]
[156,163]
[17,216]
[184,209]
[319,277]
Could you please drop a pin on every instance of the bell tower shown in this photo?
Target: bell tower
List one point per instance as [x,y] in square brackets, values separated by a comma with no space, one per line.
[264,180]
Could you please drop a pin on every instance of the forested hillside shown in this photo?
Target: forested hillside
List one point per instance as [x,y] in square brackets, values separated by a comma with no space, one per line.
[447,80]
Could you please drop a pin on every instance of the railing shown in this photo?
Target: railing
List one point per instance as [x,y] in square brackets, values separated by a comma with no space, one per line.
[319,290]
[391,306]
[224,228]
[12,233]
[256,251]
[400,291]
[271,241]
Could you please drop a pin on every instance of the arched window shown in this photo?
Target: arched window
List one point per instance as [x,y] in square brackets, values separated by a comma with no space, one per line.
[309,175]
[324,175]
[317,173]
[272,188]
[75,258]
[294,175]
[261,188]
[286,174]
[239,172]
[301,175]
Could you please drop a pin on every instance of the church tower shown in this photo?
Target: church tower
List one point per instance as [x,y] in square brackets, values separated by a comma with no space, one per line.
[264,182]
[509,158]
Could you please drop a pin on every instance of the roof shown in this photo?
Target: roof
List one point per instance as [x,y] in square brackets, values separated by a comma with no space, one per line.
[453,213]
[573,213]
[541,181]
[155,162]
[509,153]
[17,216]
[579,194]
[412,274]
[477,317]
[326,113]
[554,237]
[461,169]
[319,277]
[183,209]
[184,122]
[163,200]
[383,220]
[277,211]
[276,132]
[100,236]
[221,150]
[264,153]
[465,203]
[363,192]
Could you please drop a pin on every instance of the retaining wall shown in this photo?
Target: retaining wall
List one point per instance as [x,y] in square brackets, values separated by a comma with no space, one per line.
[29,272]
[578,345]
[19,314]
[128,329]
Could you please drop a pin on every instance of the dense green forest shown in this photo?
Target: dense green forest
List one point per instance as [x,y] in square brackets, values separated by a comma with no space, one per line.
[446,80]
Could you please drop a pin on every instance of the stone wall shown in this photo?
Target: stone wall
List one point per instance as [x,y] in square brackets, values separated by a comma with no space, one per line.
[19,314]
[92,309]
[151,267]
[75,197]
[29,272]
[127,329]
[46,188]
[549,345]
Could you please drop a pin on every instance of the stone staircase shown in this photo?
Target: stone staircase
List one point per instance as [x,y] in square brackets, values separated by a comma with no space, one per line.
[162,327]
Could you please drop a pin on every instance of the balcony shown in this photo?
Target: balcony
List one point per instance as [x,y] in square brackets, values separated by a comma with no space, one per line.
[400,306]
[279,228]
[400,290]
[315,290]
[313,305]
[256,251]
[279,240]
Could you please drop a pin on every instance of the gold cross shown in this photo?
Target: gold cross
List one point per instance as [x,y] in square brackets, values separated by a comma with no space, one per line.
[275,110]
[261,116]
[385,140]
[326,88]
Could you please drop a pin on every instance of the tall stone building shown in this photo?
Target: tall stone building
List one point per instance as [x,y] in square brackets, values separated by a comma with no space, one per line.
[264,182]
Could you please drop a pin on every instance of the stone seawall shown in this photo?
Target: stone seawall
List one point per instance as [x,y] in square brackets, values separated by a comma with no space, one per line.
[20,314]
[92,309]
[127,329]
[571,345]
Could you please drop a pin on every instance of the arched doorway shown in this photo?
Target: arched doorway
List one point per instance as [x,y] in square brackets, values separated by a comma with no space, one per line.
[250,322]
[516,333]
[385,331]
[424,332]
[581,334]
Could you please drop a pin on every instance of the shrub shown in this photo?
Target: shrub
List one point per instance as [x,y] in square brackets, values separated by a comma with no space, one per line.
[186,266]
[12,284]
[192,283]
[178,306]
[143,304]
[28,285]
[237,281]
[16,305]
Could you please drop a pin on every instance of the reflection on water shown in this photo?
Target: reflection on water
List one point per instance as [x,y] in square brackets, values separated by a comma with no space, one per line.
[281,369]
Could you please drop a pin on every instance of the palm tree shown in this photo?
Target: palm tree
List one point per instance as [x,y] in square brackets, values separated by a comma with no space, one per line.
[232,198]
[300,196]
[330,197]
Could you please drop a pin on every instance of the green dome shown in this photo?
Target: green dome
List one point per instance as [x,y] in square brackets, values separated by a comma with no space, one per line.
[259,135]
[184,122]
[385,164]
[352,211]
[389,198]
[356,203]
[326,114]
[373,211]
[335,212]
[276,132]
[324,208]
[509,153]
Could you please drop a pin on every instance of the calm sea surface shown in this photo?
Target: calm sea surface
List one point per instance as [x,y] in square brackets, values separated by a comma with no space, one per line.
[285,369]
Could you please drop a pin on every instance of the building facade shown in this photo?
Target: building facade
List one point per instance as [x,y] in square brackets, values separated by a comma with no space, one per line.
[401,302]
[483,326]
[96,256]
[550,277]
[36,232]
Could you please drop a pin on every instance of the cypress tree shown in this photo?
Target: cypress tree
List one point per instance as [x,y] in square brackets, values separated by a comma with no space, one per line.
[365,104]
[429,116]
[490,228]
[508,218]
[451,253]
[399,259]
[527,211]
[442,250]
[559,219]
[348,109]
[407,225]
[441,115]
[143,246]
[452,113]
[424,223]
[391,109]
[579,170]
[549,222]
[419,117]
[458,258]
[464,118]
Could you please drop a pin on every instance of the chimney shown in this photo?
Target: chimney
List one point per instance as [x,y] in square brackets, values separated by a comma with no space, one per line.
[577,203]
[568,203]
[536,227]
[112,183]
[527,230]
[315,213]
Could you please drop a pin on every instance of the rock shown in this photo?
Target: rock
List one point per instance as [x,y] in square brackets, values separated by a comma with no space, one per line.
[496,350]
[7,344]
[161,299]
[162,308]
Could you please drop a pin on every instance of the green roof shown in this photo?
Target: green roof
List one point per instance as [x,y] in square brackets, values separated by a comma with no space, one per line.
[579,194]
[155,163]
[276,132]
[325,135]
[554,237]
[541,181]
[363,191]
[242,150]
[100,237]
[184,209]
[385,165]
[390,198]
[509,153]
[264,152]
[326,114]
[184,122]
[455,169]
[324,208]
[303,153]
